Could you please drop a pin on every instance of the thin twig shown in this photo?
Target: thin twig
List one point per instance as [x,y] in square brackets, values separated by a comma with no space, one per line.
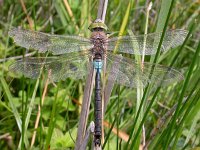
[68,9]
[39,111]
[17,57]
[27,16]
[123,135]
[146,31]
[70,13]
[36,16]
[143,136]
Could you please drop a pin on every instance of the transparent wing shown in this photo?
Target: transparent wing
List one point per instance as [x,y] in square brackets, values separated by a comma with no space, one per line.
[127,72]
[60,67]
[147,44]
[43,42]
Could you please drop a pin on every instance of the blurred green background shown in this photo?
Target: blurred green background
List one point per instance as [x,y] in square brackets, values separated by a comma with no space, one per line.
[171,122]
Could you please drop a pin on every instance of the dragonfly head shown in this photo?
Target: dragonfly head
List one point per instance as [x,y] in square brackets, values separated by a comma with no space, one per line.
[98,25]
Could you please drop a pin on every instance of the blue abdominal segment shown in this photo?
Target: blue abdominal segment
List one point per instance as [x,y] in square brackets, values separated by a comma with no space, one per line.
[98,65]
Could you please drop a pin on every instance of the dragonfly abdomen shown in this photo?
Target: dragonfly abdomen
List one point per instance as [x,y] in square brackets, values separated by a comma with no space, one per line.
[98,108]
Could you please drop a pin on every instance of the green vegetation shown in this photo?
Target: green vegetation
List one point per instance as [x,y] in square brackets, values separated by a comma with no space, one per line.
[167,117]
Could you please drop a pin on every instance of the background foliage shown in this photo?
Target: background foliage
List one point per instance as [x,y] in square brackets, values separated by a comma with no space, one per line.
[171,121]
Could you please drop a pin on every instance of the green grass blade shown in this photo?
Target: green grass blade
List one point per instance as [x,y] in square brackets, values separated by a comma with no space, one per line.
[196,55]
[125,21]
[14,109]
[191,113]
[28,116]
[163,15]
[60,12]
[109,132]
[136,118]
[144,118]
[52,121]
[10,99]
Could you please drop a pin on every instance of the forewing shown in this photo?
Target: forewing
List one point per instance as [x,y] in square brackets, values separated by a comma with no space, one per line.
[57,44]
[127,72]
[147,44]
[58,68]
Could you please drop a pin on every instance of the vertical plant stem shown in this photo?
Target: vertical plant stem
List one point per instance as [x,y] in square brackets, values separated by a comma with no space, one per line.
[23,113]
[118,116]
[85,108]
[102,10]
[140,91]
[146,30]
[39,113]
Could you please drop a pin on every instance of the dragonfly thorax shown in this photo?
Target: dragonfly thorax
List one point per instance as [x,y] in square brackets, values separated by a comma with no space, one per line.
[99,40]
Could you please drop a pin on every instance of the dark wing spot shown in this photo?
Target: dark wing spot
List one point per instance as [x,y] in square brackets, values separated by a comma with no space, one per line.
[73,67]
[55,66]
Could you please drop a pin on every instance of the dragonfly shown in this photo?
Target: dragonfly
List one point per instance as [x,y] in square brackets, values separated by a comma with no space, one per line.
[74,55]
